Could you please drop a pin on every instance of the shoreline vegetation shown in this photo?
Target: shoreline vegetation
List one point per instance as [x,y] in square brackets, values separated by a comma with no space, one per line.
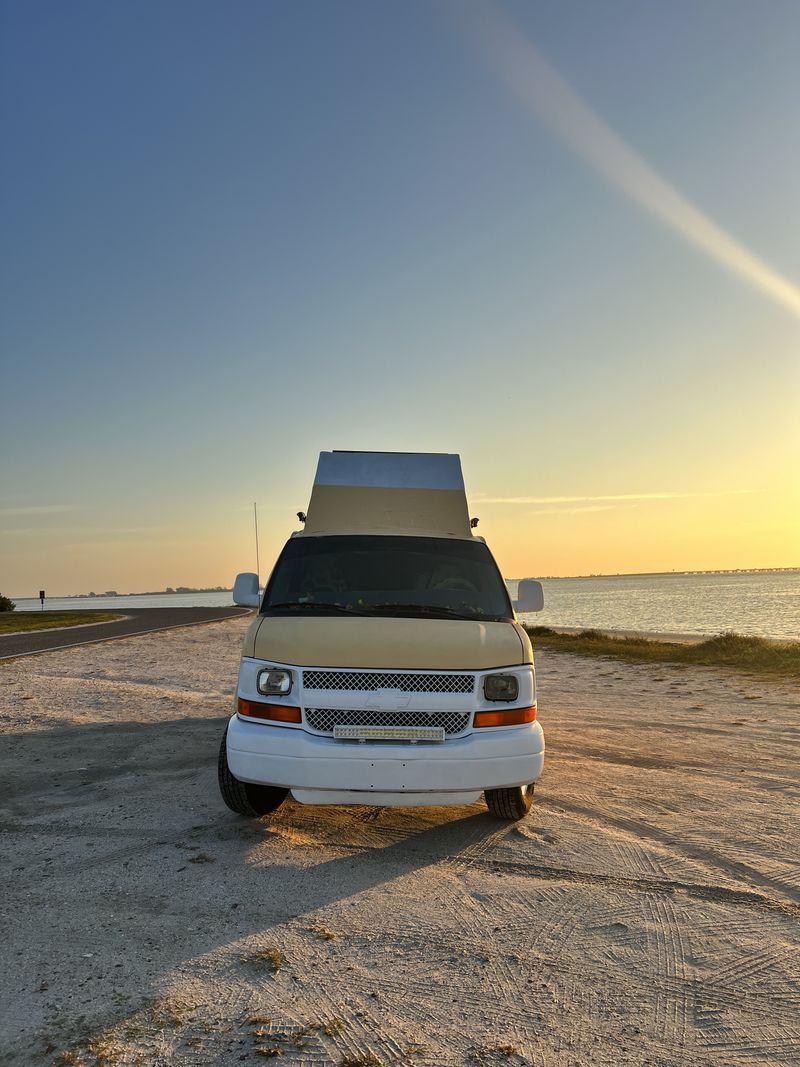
[16,622]
[169,591]
[731,650]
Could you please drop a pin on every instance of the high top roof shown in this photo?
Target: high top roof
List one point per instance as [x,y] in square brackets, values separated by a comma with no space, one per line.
[417,493]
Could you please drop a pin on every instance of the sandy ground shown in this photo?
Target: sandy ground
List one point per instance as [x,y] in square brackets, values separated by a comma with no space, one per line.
[647,912]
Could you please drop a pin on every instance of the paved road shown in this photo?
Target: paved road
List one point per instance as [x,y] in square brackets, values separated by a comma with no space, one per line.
[136,621]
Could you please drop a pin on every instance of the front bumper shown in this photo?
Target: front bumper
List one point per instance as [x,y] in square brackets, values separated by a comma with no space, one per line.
[320,770]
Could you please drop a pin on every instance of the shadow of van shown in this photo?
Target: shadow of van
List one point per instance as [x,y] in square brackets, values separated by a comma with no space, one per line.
[125,866]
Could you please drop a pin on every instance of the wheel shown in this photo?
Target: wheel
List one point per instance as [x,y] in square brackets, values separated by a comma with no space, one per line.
[514,803]
[243,797]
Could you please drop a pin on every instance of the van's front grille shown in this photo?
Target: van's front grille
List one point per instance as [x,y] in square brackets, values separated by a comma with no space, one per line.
[361,681]
[323,720]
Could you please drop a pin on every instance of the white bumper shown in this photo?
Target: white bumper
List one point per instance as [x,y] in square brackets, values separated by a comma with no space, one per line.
[319,770]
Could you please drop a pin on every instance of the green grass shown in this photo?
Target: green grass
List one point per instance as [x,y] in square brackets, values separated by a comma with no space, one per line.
[14,622]
[726,650]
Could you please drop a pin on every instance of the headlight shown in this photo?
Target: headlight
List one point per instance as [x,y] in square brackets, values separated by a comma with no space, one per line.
[500,687]
[274,683]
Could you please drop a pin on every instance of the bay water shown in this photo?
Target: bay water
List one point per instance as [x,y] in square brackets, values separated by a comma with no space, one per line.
[759,603]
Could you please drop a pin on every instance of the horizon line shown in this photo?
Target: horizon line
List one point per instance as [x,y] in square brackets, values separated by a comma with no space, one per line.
[541,578]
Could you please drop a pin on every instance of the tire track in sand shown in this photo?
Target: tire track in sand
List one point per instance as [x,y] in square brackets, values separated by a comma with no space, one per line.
[673,984]
[701,854]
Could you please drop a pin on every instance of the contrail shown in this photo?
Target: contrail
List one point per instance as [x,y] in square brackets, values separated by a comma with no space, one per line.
[542,89]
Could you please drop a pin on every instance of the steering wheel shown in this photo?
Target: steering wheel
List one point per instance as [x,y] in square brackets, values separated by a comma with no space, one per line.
[456,583]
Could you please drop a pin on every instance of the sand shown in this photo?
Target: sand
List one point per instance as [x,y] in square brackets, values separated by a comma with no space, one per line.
[646,912]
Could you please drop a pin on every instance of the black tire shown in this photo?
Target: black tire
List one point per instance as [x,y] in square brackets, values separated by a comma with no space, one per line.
[243,797]
[514,803]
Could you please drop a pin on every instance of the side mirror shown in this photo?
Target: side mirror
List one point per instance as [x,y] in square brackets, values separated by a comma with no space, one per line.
[245,591]
[530,596]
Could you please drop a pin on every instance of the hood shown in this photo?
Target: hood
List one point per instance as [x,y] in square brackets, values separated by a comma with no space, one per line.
[406,644]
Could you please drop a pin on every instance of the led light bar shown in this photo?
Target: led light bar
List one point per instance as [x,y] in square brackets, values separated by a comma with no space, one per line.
[388,733]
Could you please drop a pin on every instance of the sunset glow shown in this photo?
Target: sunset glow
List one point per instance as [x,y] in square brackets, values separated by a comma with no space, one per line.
[399,227]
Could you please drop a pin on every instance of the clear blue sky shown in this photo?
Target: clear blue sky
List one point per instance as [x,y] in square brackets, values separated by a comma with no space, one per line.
[237,233]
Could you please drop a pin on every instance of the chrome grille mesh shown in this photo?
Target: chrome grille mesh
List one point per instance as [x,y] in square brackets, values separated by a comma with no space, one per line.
[323,720]
[407,683]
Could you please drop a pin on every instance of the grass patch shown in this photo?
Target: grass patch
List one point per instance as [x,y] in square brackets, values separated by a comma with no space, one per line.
[271,958]
[330,1027]
[15,622]
[725,650]
[322,932]
[361,1059]
[298,1039]
[106,1051]
[99,1051]
[157,1016]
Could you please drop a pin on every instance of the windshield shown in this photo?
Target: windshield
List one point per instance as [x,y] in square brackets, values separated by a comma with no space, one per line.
[433,577]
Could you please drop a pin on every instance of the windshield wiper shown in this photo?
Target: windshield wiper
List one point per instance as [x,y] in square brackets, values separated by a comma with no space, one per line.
[307,604]
[423,609]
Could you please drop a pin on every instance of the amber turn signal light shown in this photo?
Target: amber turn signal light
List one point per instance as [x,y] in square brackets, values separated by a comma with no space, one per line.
[258,709]
[514,717]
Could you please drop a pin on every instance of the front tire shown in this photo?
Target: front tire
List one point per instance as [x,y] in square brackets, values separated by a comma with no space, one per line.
[245,798]
[511,804]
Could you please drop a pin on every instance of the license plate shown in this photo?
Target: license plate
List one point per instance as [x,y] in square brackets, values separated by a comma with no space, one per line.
[388,733]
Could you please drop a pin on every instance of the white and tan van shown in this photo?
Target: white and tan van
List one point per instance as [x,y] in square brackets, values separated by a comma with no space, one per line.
[385,665]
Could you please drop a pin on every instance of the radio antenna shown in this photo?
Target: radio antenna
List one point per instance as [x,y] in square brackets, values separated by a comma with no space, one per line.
[255,523]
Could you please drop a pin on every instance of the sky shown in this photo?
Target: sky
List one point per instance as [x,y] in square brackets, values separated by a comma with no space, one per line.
[558,239]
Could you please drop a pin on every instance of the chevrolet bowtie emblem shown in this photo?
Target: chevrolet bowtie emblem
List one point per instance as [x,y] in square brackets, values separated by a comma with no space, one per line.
[387,700]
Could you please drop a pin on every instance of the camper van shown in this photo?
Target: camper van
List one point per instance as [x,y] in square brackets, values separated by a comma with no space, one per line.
[385,665]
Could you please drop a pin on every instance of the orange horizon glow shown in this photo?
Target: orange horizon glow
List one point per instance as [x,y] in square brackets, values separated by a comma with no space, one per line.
[530,536]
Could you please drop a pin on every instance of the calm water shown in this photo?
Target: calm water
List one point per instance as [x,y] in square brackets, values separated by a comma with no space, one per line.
[120,603]
[765,605]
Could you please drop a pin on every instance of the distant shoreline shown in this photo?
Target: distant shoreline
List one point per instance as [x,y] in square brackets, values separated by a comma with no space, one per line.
[120,596]
[183,591]
[659,574]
